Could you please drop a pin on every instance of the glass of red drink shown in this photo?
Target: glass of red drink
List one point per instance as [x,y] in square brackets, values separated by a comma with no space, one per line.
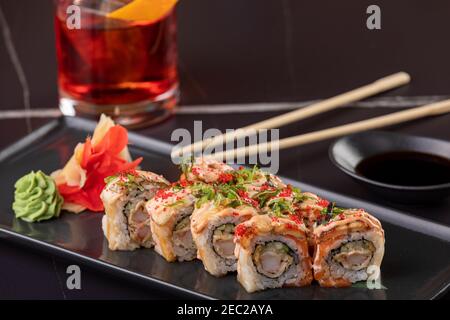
[124,68]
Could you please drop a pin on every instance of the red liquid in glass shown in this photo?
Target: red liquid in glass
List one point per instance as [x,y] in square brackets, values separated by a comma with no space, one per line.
[115,62]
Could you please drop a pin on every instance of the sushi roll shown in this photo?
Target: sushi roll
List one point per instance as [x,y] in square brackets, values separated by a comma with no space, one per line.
[212,227]
[347,243]
[204,169]
[272,252]
[126,224]
[170,211]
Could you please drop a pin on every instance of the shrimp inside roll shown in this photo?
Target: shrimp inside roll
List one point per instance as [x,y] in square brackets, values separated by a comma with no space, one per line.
[272,259]
[222,240]
[354,255]
[275,259]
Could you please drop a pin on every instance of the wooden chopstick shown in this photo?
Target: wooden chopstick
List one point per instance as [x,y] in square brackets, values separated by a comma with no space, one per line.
[380,85]
[436,108]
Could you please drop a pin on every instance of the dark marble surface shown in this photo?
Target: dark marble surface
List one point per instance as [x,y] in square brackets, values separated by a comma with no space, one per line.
[238,52]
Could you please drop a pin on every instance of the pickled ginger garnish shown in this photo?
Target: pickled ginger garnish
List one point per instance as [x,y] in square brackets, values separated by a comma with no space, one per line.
[106,154]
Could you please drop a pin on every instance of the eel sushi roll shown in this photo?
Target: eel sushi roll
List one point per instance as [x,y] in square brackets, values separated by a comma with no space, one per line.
[126,224]
[212,227]
[170,211]
[272,252]
[348,242]
[204,169]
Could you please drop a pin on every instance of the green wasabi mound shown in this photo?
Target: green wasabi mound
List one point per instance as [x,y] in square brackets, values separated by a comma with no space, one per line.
[36,198]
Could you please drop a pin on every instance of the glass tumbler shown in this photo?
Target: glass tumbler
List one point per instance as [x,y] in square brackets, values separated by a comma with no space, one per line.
[124,68]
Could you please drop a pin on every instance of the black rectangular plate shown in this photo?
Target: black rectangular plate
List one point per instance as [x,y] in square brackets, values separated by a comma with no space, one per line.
[416,263]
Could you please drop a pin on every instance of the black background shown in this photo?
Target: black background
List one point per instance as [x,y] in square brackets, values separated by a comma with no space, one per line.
[235,51]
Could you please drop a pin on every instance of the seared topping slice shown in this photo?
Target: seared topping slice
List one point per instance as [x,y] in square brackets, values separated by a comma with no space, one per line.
[134,180]
[203,169]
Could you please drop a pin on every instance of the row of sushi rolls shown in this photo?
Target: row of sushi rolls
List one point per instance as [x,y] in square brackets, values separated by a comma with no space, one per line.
[241,219]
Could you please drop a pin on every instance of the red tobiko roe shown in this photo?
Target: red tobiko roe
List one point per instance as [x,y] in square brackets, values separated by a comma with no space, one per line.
[183,182]
[296,219]
[225,177]
[240,230]
[124,174]
[291,226]
[163,194]
[244,195]
[99,162]
[323,203]
[266,187]
[287,192]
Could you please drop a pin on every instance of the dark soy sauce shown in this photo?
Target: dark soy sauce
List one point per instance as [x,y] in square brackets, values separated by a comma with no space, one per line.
[405,168]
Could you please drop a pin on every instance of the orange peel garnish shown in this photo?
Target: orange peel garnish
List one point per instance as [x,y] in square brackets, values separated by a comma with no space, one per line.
[144,10]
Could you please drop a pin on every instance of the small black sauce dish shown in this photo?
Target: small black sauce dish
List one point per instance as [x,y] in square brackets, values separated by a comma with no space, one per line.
[398,167]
